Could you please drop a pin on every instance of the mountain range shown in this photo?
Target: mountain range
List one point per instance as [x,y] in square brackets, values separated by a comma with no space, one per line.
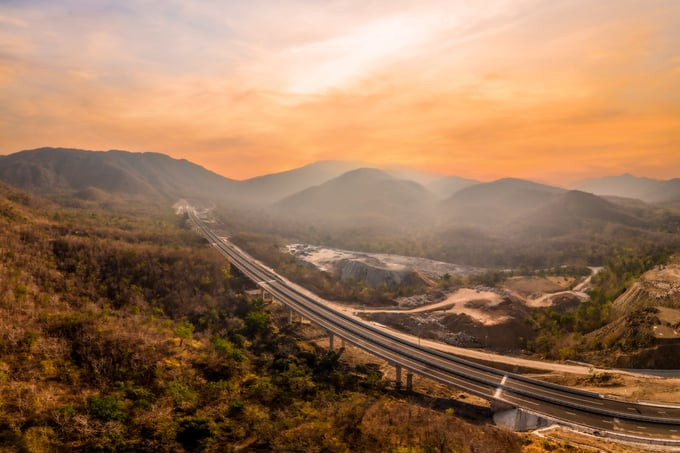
[347,195]
[646,189]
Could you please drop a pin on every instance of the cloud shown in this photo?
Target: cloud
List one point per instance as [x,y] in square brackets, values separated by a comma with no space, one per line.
[530,89]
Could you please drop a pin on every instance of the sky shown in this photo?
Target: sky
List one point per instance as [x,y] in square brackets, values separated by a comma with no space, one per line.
[555,90]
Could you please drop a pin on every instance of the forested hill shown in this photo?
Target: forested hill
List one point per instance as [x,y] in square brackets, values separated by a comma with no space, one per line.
[92,174]
[129,333]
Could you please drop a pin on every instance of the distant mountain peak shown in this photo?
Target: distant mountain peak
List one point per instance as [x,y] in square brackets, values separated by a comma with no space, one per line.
[368,194]
[630,186]
[365,172]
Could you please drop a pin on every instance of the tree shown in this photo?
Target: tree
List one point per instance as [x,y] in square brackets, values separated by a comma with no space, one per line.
[184,331]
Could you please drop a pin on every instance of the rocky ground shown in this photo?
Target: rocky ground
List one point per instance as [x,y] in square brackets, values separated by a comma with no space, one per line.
[657,290]
[645,331]
[469,317]
[376,268]
[494,318]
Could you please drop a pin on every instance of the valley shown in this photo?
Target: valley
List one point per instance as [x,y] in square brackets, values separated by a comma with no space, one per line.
[549,282]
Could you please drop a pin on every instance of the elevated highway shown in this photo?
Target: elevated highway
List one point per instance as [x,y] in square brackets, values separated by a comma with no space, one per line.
[592,412]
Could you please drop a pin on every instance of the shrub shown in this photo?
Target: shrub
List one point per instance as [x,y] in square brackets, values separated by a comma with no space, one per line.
[257,321]
[106,408]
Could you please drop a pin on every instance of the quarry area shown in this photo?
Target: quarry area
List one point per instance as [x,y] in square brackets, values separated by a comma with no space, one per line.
[479,316]
[376,268]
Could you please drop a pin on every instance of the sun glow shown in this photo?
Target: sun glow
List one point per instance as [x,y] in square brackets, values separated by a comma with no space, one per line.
[551,91]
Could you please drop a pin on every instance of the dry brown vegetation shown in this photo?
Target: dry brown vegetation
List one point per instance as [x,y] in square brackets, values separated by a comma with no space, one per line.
[123,332]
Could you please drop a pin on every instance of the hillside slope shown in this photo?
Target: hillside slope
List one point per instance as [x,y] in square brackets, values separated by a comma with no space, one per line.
[365,195]
[496,202]
[130,333]
[658,287]
[268,189]
[629,186]
[69,171]
[575,210]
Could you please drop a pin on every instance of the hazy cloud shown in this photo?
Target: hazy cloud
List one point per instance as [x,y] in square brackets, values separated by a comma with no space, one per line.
[558,90]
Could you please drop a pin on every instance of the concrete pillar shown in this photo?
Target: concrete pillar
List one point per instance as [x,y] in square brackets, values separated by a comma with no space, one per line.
[330,341]
[290,316]
[519,420]
[397,383]
[262,293]
[342,343]
[409,382]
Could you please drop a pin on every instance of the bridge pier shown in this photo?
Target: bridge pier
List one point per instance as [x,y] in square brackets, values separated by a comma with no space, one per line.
[409,381]
[519,420]
[397,383]
[290,316]
[331,339]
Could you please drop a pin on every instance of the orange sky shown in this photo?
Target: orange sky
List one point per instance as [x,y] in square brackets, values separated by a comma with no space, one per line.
[549,90]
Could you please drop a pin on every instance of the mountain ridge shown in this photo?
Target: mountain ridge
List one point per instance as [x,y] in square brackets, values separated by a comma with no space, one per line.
[363,193]
[649,190]
[497,201]
[45,170]
[363,197]
[272,187]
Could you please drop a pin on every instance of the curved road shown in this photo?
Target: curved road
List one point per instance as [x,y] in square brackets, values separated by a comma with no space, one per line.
[592,411]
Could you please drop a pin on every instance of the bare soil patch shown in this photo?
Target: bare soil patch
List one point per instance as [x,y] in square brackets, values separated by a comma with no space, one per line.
[473,302]
[534,287]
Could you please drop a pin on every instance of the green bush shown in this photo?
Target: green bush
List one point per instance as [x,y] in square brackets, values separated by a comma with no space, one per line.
[257,321]
[227,349]
[106,408]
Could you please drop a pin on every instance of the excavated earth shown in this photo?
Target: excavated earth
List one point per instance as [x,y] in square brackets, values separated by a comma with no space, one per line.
[646,326]
[470,317]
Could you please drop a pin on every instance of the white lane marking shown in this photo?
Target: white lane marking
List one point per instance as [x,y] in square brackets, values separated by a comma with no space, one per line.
[576,398]
[607,421]
[499,390]
[570,413]
[640,427]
